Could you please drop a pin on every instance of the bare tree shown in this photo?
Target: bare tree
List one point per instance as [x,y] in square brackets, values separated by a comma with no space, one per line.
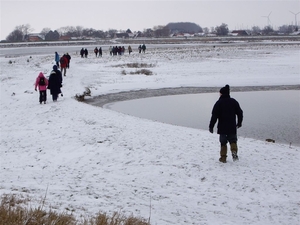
[79,30]
[111,32]
[25,29]
[267,30]
[19,33]
[63,30]
[286,29]
[15,36]
[222,30]
[256,30]
[161,31]
[45,31]
[205,30]
[147,33]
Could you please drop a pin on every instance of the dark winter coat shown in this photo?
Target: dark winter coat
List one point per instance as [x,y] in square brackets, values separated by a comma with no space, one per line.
[225,111]
[55,82]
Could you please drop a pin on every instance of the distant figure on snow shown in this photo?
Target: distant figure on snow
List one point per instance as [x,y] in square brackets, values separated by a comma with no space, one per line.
[96,51]
[100,52]
[56,58]
[82,52]
[129,49]
[41,83]
[144,48]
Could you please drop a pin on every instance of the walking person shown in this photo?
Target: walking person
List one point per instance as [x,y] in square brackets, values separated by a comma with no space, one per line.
[63,64]
[55,83]
[82,52]
[96,52]
[68,60]
[56,58]
[41,83]
[230,117]
[144,48]
[100,52]
[86,52]
[129,49]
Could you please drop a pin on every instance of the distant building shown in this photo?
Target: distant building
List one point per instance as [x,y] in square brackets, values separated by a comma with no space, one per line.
[35,37]
[239,33]
[185,35]
[121,35]
[64,38]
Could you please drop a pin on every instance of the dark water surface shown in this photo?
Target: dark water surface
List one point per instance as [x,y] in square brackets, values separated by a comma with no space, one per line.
[267,114]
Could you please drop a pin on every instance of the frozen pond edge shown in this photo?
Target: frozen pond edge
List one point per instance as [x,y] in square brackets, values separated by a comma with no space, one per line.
[101,100]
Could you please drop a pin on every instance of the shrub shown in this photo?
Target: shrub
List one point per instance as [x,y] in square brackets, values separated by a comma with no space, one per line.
[14,211]
[142,71]
[80,97]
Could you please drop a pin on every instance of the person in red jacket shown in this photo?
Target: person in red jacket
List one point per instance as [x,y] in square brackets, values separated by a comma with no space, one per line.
[63,64]
[41,82]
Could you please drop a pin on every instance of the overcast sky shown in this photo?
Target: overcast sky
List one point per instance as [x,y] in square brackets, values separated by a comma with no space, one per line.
[141,14]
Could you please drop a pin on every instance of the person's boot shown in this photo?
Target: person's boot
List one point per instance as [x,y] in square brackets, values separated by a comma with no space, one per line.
[223,153]
[234,150]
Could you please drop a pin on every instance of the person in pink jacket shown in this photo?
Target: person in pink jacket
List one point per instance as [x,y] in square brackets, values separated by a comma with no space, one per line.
[42,83]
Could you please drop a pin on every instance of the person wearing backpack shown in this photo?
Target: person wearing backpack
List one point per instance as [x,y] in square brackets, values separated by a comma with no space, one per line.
[41,83]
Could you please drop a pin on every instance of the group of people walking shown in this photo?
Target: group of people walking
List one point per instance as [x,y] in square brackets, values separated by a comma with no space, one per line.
[142,48]
[113,50]
[55,80]
[116,50]
[98,51]
[63,62]
[84,53]
[226,111]
[54,84]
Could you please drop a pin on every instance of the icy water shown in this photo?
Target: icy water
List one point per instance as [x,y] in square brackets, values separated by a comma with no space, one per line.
[267,114]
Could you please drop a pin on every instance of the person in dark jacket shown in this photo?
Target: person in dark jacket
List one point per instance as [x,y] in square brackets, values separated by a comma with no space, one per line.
[82,52]
[230,117]
[86,52]
[69,60]
[100,52]
[55,83]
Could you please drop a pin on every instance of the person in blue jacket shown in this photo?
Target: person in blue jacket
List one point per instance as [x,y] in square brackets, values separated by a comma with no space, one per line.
[57,58]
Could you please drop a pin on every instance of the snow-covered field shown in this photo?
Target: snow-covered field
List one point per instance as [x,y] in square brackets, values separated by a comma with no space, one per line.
[88,159]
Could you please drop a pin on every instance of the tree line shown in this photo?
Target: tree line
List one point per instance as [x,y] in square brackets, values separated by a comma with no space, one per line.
[22,32]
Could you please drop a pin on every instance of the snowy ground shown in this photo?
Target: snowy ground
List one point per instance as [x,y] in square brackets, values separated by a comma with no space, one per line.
[86,158]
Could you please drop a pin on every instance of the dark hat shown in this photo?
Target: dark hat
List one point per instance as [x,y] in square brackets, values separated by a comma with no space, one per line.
[55,67]
[225,90]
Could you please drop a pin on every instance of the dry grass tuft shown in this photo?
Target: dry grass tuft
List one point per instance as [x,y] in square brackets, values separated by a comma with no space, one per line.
[14,211]
[80,97]
[142,71]
[136,65]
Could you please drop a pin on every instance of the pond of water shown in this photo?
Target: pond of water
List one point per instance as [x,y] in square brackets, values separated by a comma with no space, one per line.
[267,114]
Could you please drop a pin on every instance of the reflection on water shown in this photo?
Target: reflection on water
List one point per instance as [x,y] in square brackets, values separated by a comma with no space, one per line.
[267,114]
